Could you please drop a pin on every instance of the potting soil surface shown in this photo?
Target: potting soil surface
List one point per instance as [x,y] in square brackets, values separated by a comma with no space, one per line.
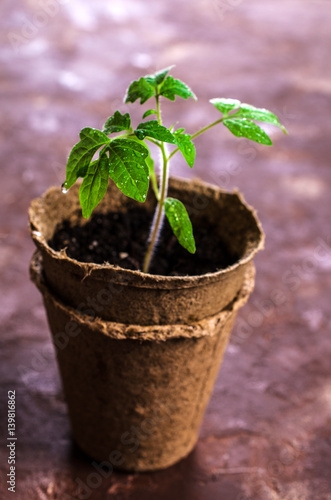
[120,239]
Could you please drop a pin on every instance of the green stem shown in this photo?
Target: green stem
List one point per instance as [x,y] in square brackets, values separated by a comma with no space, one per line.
[157,143]
[207,127]
[125,135]
[199,132]
[152,175]
[154,183]
[159,213]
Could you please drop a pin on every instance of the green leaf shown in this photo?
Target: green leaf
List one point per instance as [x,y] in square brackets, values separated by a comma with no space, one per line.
[185,146]
[155,130]
[150,163]
[171,87]
[180,223]
[149,112]
[242,127]
[158,77]
[82,153]
[94,185]
[117,123]
[148,159]
[259,114]
[128,168]
[140,89]
[225,105]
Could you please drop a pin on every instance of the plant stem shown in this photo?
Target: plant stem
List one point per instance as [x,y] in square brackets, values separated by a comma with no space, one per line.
[199,132]
[154,184]
[159,213]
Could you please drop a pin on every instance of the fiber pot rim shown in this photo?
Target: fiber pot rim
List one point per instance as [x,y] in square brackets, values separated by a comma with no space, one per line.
[144,280]
[159,333]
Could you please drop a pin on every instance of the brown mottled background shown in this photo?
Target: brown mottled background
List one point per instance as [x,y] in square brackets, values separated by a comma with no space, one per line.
[66,64]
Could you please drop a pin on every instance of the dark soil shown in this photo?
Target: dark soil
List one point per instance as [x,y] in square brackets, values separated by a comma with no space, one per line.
[120,239]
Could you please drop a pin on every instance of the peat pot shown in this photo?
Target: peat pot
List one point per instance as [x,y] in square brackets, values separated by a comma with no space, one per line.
[138,368]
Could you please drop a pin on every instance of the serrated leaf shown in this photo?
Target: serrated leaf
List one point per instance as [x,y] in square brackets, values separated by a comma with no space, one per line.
[242,127]
[259,114]
[94,185]
[82,153]
[128,168]
[172,87]
[150,163]
[117,123]
[148,159]
[139,89]
[158,77]
[149,112]
[180,223]
[185,146]
[153,129]
[225,105]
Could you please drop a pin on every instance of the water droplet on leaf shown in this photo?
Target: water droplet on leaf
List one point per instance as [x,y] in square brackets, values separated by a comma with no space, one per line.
[64,188]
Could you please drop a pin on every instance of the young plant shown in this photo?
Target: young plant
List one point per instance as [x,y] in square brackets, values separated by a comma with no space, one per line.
[126,158]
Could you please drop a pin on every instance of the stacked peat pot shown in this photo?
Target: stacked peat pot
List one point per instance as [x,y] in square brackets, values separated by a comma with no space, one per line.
[139,353]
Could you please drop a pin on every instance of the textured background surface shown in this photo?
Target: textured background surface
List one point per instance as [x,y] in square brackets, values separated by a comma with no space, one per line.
[65,64]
